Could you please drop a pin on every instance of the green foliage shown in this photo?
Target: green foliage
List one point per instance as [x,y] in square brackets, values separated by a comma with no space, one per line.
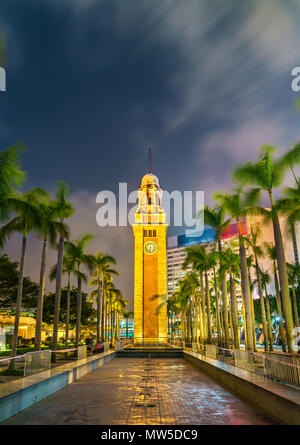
[11,175]
[9,276]
[87,314]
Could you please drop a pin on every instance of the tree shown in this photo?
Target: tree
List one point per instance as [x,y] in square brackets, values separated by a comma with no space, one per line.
[88,313]
[9,273]
[126,314]
[294,277]
[235,206]
[202,262]
[230,262]
[265,175]
[48,230]
[216,218]
[68,268]
[271,252]
[289,204]
[63,210]
[11,178]
[101,270]
[252,239]
[76,250]
[27,217]
[265,280]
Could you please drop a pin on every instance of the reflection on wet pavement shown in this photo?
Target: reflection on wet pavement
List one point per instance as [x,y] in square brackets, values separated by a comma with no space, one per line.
[138,391]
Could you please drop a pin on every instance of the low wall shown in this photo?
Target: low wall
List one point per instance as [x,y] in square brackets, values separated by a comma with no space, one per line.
[22,393]
[278,401]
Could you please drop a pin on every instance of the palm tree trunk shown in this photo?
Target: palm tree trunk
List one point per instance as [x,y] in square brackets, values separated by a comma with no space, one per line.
[200,320]
[262,304]
[246,293]
[127,327]
[225,304]
[39,312]
[252,311]
[18,304]
[279,308]
[217,309]
[78,309]
[283,277]
[102,308]
[208,309]
[68,309]
[269,320]
[98,310]
[234,312]
[203,309]
[295,306]
[60,255]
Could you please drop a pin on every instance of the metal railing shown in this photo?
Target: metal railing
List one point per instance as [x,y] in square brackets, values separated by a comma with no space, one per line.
[283,367]
[39,361]
[278,366]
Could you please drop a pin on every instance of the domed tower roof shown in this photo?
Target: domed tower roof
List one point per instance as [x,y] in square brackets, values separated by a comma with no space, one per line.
[150,178]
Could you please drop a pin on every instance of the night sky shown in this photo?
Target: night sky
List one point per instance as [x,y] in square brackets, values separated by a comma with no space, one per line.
[92,83]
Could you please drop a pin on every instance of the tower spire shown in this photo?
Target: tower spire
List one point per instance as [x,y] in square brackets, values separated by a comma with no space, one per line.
[149,159]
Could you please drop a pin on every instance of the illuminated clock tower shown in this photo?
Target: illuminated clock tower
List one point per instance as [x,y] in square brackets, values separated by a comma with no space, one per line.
[150,265]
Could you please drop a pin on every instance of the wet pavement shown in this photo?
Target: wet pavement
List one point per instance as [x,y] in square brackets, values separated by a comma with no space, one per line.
[138,392]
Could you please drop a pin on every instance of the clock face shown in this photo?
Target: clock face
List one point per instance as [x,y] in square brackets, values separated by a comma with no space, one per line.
[150,247]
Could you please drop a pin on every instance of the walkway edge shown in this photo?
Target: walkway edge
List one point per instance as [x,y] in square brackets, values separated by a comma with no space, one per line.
[23,393]
[279,402]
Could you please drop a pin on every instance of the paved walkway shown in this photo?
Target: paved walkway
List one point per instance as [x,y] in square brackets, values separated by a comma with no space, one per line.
[134,391]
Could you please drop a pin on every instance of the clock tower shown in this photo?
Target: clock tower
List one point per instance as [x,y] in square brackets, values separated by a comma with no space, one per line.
[150,268]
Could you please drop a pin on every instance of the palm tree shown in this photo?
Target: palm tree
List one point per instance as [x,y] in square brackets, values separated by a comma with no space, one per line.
[11,177]
[76,250]
[294,276]
[235,206]
[49,230]
[271,252]
[252,239]
[216,218]
[126,314]
[101,271]
[63,210]
[215,262]
[27,217]
[267,174]
[202,262]
[68,268]
[289,204]
[265,280]
[230,261]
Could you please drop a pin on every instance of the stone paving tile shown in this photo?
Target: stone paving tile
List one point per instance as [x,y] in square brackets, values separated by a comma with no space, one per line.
[107,396]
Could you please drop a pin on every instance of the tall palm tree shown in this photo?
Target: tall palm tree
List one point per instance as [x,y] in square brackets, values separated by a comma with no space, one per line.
[202,261]
[68,268]
[265,280]
[126,314]
[49,230]
[252,239]
[271,252]
[76,250]
[235,206]
[289,204]
[216,218]
[230,263]
[63,210]
[265,175]
[294,277]
[101,271]
[27,217]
